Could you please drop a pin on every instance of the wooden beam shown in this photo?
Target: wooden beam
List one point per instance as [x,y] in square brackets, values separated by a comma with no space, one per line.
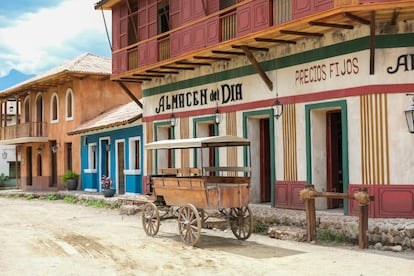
[149,75]
[250,48]
[301,33]
[135,79]
[193,63]
[357,18]
[263,39]
[130,94]
[256,65]
[227,53]
[163,72]
[331,25]
[212,58]
[176,67]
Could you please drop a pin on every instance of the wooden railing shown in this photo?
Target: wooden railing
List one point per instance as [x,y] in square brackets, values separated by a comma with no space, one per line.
[33,129]
[282,11]
[228,26]
[132,58]
[309,194]
[164,48]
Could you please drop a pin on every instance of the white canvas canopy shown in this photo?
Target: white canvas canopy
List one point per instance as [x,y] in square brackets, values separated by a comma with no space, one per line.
[201,142]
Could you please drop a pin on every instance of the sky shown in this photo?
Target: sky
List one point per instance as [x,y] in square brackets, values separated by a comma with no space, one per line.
[36,35]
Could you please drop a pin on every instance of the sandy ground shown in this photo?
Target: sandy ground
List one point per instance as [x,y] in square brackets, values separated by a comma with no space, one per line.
[39,237]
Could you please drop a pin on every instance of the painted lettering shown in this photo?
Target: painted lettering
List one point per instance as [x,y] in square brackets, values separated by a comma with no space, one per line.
[402,61]
[229,92]
[312,74]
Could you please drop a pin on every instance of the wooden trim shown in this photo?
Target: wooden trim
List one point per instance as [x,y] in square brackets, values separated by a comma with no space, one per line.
[256,65]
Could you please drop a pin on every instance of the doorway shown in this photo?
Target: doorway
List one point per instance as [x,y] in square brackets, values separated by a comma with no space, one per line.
[258,132]
[265,182]
[334,157]
[54,165]
[120,167]
[29,166]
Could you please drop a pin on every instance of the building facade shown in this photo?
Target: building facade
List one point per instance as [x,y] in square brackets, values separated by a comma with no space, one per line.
[47,107]
[339,69]
[112,147]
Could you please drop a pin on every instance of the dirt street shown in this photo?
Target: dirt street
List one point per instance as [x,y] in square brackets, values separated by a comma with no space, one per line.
[40,237]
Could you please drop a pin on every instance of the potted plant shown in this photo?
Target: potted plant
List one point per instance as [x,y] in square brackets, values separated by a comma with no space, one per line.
[70,180]
[106,186]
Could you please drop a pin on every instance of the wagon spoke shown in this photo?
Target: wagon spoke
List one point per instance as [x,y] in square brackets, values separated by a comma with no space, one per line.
[189,224]
[150,219]
[241,222]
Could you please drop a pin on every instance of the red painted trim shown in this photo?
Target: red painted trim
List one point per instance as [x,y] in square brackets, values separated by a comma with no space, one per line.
[311,97]
[287,194]
[390,201]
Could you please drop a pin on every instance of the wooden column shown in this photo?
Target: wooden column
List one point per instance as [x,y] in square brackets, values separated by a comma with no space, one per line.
[310,215]
[363,220]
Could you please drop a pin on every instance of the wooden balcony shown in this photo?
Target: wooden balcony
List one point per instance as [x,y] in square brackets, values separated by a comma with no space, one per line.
[26,132]
[255,25]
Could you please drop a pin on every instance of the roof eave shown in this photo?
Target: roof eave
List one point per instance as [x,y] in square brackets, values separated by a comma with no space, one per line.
[97,128]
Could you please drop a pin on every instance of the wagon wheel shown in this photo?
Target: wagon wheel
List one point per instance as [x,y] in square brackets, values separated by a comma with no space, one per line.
[241,222]
[150,219]
[189,224]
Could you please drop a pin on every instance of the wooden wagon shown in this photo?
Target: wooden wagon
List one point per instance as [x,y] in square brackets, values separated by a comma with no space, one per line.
[193,190]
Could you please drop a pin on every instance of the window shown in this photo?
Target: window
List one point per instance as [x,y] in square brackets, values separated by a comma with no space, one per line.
[69,156]
[163,16]
[132,21]
[69,104]
[135,153]
[54,108]
[92,156]
[227,3]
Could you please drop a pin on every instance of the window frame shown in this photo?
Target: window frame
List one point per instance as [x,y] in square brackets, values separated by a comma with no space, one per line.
[132,144]
[71,108]
[92,156]
[52,110]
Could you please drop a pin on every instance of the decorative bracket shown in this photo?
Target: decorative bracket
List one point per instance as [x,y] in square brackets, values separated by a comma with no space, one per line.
[256,65]
[132,96]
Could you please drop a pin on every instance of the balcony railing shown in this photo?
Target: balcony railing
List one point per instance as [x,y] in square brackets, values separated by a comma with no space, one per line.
[228,26]
[282,11]
[24,130]
[164,48]
[132,58]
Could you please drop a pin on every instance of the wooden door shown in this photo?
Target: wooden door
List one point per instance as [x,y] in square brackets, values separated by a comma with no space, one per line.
[120,167]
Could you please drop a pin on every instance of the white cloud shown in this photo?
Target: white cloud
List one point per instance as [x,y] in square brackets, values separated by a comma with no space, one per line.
[38,41]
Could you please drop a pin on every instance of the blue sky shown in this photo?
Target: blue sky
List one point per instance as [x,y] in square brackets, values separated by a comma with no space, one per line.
[36,35]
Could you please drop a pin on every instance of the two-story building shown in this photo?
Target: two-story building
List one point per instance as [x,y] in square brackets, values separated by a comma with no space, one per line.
[318,86]
[51,104]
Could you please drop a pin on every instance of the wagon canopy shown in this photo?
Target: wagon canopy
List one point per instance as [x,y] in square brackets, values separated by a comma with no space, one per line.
[201,142]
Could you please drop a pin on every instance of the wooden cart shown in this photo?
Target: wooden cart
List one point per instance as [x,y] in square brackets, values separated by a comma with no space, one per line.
[193,190]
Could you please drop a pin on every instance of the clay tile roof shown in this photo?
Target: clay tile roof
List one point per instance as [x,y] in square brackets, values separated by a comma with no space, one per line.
[121,115]
[85,64]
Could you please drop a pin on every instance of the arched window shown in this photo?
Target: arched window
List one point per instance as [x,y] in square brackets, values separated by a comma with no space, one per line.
[54,108]
[69,104]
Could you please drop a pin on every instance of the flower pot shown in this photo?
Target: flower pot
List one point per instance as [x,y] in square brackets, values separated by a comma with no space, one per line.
[108,192]
[71,184]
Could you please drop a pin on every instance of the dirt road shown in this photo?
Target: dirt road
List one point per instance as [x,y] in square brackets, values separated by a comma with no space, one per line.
[39,237]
